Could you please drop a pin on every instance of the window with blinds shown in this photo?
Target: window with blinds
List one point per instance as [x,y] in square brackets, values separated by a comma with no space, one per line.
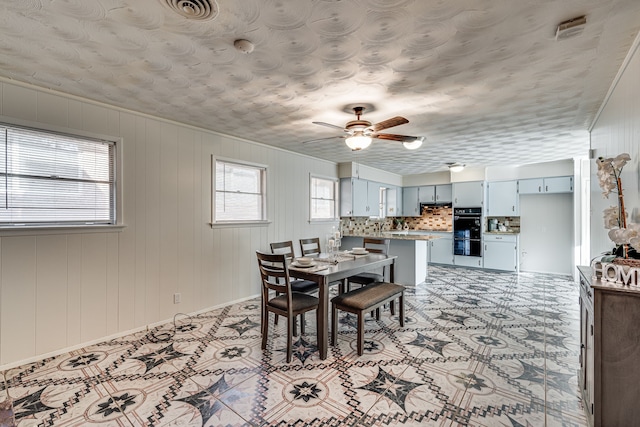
[239,192]
[49,178]
[324,202]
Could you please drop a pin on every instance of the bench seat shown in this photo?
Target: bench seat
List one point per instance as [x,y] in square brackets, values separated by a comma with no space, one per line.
[362,300]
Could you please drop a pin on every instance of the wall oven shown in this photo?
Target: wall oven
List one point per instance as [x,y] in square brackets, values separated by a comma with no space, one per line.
[467,231]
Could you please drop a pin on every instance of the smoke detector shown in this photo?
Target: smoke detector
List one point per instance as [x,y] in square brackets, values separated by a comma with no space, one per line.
[244,46]
[572,27]
[201,10]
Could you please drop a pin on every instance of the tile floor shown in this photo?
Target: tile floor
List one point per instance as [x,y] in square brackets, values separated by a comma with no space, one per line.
[478,349]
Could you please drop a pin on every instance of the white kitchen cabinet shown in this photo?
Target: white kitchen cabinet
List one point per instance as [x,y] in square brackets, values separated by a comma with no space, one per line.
[359,197]
[427,194]
[444,193]
[394,200]
[502,199]
[468,194]
[441,249]
[556,184]
[501,252]
[410,203]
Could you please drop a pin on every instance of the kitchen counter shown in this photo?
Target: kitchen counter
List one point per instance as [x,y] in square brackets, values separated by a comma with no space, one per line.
[402,235]
[502,232]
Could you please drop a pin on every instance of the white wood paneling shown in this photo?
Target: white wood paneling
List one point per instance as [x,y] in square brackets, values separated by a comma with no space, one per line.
[18,307]
[51,292]
[617,130]
[53,109]
[63,290]
[19,102]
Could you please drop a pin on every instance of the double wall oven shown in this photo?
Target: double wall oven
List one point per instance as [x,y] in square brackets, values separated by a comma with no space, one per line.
[467,231]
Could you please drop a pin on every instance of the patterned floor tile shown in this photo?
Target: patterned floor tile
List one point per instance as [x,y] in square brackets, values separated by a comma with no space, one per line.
[478,348]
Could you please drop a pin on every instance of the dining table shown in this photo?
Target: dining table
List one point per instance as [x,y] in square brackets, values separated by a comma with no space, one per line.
[328,270]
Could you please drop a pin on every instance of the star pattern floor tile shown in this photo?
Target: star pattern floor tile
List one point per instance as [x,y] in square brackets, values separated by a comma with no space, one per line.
[478,348]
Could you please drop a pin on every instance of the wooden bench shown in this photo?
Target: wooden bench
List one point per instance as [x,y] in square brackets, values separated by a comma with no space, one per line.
[362,300]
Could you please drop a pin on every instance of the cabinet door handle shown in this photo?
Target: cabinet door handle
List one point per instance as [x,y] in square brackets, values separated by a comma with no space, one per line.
[539,189]
[485,247]
[546,188]
[513,208]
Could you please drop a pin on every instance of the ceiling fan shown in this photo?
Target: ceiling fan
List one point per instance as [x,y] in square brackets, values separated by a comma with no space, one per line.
[359,133]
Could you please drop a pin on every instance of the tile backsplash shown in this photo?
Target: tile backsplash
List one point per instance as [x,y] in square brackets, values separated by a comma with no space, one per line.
[432,219]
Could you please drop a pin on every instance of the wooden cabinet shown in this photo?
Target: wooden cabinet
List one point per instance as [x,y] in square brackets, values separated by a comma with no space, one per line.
[359,197]
[500,252]
[441,249]
[557,184]
[468,194]
[585,376]
[502,199]
[444,193]
[611,359]
[410,203]
[394,200]
[427,194]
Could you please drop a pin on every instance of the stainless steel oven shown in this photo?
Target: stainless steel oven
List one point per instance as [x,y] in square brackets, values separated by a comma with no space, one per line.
[467,231]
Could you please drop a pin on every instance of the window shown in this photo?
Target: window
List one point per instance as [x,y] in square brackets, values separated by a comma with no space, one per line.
[239,192]
[323,199]
[49,178]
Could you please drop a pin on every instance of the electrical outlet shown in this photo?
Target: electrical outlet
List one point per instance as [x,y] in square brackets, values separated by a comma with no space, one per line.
[177,298]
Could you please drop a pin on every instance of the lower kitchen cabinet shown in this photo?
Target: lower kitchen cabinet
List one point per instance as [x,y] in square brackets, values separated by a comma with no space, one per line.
[585,376]
[441,249]
[610,350]
[501,252]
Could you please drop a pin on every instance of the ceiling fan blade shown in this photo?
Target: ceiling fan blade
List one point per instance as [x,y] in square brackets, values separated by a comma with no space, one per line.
[328,125]
[389,123]
[401,138]
[322,139]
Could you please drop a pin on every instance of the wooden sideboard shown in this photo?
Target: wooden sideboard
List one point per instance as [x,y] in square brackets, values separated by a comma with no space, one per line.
[610,351]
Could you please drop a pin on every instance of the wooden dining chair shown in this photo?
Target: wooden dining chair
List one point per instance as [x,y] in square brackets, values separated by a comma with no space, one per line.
[283,301]
[310,246]
[376,246]
[297,285]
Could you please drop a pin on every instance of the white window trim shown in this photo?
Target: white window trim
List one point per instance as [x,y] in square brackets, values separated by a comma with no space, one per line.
[16,230]
[336,192]
[239,223]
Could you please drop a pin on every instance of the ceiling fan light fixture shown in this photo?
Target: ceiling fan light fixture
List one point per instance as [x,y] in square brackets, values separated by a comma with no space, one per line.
[456,167]
[358,141]
[414,145]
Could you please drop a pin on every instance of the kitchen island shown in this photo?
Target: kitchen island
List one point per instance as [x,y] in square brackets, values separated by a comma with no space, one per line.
[411,248]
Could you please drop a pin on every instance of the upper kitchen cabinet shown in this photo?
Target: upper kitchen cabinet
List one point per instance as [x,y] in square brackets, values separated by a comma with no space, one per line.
[444,193]
[557,184]
[359,197]
[435,194]
[502,199]
[410,203]
[393,200]
[468,194]
[427,194]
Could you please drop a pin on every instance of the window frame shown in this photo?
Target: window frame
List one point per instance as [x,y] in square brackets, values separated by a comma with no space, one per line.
[263,191]
[35,228]
[336,198]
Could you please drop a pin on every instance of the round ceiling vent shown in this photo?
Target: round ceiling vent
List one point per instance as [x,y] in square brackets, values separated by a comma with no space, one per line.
[200,10]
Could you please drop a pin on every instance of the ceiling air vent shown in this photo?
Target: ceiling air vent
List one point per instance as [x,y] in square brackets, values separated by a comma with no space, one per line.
[200,10]
[572,27]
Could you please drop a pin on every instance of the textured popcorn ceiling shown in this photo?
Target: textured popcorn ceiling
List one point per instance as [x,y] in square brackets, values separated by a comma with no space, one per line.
[484,81]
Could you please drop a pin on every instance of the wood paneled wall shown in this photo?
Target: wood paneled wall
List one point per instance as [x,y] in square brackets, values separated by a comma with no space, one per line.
[617,130]
[62,290]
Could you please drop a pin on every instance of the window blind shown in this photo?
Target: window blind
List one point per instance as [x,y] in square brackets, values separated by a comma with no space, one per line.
[239,192]
[53,178]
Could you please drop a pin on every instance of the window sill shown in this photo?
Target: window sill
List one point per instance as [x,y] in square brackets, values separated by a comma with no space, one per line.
[59,229]
[237,224]
[324,221]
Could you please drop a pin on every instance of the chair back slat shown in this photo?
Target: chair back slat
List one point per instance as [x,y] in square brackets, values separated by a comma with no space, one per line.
[274,272]
[376,246]
[285,248]
[310,246]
